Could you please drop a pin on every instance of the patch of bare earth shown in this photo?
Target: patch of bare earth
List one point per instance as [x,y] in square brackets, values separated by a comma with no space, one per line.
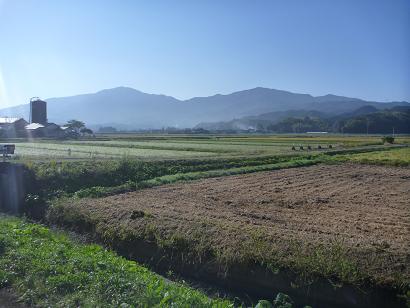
[365,209]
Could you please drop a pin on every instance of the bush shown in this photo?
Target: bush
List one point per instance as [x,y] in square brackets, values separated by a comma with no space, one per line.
[34,206]
[388,139]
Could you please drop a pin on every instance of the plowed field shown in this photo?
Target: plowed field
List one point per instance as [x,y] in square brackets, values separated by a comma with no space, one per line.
[365,209]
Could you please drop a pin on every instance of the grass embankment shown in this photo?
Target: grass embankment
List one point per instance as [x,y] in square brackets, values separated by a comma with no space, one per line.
[228,245]
[47,269]
[206,241]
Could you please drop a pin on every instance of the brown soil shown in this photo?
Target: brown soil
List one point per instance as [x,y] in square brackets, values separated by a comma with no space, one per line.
[365,209]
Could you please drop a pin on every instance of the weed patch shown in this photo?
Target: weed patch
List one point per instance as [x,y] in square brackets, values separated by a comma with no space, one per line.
[48,269]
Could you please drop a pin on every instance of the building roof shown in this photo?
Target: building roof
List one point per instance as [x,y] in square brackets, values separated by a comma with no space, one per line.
[52,125]
[34,126]
[7,120]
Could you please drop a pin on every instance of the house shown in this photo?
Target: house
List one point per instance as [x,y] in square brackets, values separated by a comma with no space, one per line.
[12,127]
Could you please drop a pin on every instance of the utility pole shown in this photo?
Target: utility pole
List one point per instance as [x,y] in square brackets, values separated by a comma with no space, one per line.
[393,132]
[367,126]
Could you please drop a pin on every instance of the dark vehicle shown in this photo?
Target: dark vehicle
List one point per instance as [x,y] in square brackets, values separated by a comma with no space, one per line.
[7,149]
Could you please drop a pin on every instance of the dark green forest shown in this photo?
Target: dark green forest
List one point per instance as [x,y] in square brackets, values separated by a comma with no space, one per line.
[364,120]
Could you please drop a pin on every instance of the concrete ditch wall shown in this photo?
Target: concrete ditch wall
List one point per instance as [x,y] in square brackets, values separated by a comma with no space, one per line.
[12,187]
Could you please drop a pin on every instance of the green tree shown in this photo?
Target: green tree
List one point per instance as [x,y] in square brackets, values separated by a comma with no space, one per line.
[86,131]
[75,125]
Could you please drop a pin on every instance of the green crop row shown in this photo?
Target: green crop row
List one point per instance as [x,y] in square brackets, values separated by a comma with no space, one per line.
[98,191]
[69,177]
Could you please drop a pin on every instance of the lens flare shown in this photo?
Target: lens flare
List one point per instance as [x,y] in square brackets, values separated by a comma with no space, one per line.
[3,92]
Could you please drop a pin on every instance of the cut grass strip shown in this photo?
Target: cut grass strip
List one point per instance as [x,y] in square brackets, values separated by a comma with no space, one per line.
[47,269]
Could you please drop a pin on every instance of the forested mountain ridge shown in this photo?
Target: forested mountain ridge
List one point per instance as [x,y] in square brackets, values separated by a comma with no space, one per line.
[127,108]
[367,119]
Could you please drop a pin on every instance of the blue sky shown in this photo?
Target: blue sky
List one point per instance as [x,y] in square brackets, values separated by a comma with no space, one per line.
[358,48]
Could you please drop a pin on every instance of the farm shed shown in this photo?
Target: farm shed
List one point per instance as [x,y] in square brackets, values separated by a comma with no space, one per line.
[47,130]
[12,127]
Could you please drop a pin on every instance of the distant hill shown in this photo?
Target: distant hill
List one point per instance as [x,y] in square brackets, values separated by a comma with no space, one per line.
[263,120]
[366,119]
[127,108]
[380,122]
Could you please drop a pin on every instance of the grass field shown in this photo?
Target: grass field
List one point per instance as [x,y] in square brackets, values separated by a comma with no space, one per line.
[394,157]
[89,150]
[180,147]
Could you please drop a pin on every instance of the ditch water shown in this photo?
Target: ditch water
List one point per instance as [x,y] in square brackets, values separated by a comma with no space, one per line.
[252,282]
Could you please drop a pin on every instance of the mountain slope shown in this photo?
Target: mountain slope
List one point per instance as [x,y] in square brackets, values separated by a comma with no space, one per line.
[128,108]
[367,119]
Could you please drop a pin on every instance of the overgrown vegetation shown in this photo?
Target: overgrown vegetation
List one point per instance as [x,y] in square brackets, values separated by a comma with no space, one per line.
[47,269]
[388,139]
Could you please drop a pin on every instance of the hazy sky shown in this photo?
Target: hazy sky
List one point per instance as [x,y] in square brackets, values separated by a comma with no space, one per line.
[358,48]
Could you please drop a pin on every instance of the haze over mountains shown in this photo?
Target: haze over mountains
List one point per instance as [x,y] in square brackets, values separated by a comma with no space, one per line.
[127,108]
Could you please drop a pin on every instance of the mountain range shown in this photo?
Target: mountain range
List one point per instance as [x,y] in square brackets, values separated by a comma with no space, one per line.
[127,108]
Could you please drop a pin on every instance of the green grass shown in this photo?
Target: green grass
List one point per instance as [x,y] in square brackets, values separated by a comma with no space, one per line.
[393,157]
[47,269]
[162,147]
[86,150]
